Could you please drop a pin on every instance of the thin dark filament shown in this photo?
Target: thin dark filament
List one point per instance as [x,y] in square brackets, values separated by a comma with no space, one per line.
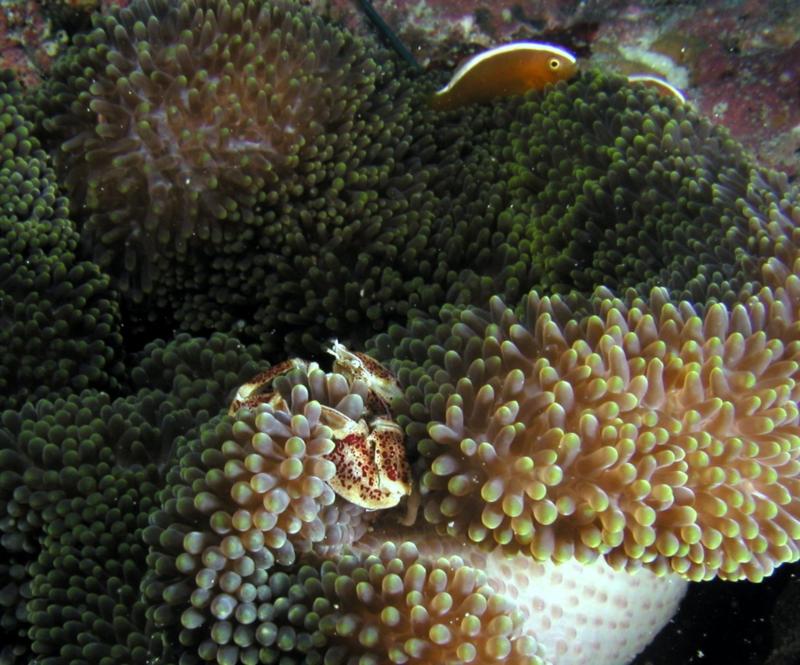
[388,34]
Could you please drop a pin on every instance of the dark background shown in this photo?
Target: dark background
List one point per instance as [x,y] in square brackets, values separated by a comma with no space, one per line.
[733,623]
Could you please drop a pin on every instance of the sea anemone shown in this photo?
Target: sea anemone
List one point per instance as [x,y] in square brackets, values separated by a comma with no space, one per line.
[571,613]
[245,166]
[193,192]
[199,372]
[654,432]
[628,190]
[79,479]
[251,494]
[100,498]
[59,321]
[393,604]
[642,431]
[597,183]
[180,120]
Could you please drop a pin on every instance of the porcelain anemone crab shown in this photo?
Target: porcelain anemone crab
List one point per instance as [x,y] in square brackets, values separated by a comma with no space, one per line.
[372,470]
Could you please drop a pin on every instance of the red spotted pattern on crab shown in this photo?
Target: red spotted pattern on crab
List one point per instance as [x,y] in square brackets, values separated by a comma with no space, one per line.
[371,466]
[372,470]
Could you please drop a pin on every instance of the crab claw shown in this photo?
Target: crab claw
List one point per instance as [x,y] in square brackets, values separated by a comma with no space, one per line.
[354,365]
[390,457]
[258,390]
[371,467]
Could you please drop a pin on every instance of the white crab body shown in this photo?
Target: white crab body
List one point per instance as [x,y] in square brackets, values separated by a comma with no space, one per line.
[371,466]
[372,470]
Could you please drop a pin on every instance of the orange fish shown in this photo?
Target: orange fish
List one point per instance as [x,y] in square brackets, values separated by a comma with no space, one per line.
[659,84]
[511,69]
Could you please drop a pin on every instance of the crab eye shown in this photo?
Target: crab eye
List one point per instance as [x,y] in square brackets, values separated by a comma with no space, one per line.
[554,63]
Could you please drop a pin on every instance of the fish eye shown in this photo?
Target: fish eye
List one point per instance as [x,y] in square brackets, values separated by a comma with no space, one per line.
[554,63]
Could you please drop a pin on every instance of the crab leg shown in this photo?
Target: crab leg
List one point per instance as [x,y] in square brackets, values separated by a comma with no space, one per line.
[257,389]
